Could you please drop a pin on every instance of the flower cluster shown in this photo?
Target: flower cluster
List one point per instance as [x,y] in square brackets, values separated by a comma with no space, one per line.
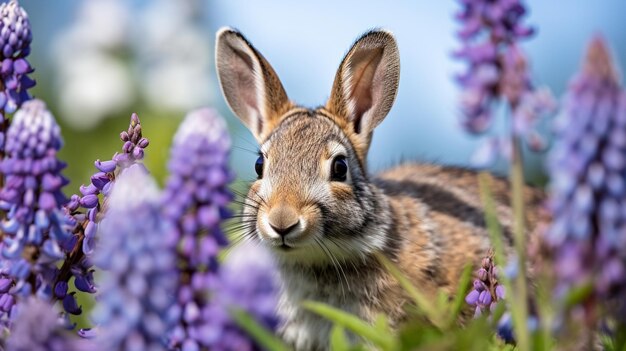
[256,295]
[83,211]
[139,277]
[491,59]
[194,202]
[35,228]
[32,195]
[38,327]
[487,291]
[15,39]
[102,181]
[588,181]
[7,300]
[196,194]
[498,70]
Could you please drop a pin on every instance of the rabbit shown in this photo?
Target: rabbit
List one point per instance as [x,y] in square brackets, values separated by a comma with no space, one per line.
[324,217]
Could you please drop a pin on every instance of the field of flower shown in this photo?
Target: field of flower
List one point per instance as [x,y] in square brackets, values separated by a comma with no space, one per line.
[127,263]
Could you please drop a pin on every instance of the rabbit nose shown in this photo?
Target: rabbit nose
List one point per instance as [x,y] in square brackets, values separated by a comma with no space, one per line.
[283,220]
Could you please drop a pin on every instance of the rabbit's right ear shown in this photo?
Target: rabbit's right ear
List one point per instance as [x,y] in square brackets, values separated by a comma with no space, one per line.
[365,86]
[250,85]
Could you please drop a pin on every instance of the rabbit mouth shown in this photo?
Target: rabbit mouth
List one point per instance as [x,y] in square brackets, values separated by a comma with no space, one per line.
[285,247]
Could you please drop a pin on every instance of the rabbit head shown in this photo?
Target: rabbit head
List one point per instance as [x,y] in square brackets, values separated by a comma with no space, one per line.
[312,201]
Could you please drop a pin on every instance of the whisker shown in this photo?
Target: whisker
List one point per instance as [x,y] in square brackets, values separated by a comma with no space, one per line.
[339,266]
[334,264]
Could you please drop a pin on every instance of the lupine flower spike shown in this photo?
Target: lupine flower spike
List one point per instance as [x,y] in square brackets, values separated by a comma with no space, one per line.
[587,168]
[39,328]
[15,39]
[84,211]
[487,291]
[139,278]
[35,226]
[195,202]
[248,282]
[497,71]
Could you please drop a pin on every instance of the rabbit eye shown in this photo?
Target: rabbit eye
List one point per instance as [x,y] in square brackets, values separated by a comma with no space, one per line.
[258,166]
[339,169]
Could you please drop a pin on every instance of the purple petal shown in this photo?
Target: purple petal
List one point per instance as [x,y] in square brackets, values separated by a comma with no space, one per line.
[87,333]
[90,229]
[484,299]
[88,189]
[5,285]
[89,201]
[60,289]
[472,297]
[500,292]
[106,166]
[85,283]
[47,201]
[70,305]
[21,66]
[100,179]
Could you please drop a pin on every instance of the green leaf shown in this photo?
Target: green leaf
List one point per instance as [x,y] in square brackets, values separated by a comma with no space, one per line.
[417,334]
[338,339]
[493,225]
[260,334]
[459,297]
[578,294]
[384,340]
[424,304]
[516,295]
[382,323]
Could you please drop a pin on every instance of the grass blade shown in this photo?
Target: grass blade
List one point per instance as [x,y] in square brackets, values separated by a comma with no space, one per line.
[515,296]
[338,339]
[260,334]
[459,298]
[384,340]
[424,304]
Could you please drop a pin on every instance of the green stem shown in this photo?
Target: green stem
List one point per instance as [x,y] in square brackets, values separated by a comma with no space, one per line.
[520,294]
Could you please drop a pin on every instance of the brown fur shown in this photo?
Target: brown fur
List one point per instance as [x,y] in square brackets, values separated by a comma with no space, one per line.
[324,232]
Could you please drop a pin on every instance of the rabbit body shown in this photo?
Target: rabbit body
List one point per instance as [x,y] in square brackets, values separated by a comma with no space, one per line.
[324,217]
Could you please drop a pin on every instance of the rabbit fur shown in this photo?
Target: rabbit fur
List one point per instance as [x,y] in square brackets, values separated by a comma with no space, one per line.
[323,232]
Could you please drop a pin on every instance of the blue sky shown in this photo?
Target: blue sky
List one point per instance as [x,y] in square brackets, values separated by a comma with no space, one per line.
[305,41]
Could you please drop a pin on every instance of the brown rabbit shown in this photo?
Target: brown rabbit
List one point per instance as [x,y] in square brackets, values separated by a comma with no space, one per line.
[324,216]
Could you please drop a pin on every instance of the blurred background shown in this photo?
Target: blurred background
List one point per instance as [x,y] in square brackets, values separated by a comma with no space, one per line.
[97,61]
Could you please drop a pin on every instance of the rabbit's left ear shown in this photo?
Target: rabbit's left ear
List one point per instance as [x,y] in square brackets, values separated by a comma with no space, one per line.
[250,85]
[366,83]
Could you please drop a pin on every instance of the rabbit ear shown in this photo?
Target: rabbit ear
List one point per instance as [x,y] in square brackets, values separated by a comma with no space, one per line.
[366,83]
[250,85]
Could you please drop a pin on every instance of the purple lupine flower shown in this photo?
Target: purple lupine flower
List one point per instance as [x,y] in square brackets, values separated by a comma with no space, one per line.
[7,299]
[486,291]
[506,331]
[497,71]
[102,182]
[139,268]
[247,281]
[38,327]
[587,169]
[195,202]
[35,226]
[83,210]
[15,39]
[32,195]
